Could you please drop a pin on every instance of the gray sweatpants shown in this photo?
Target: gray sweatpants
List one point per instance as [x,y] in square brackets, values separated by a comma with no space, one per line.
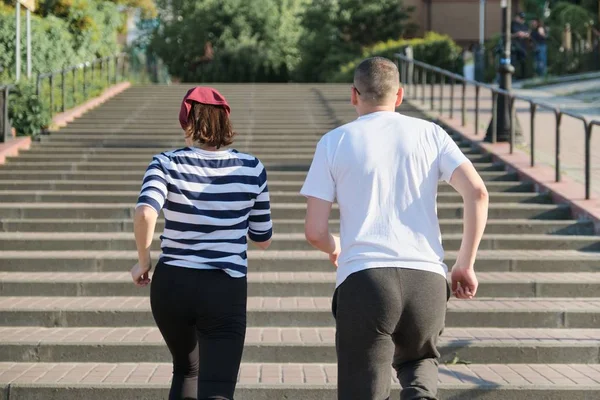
[389,317]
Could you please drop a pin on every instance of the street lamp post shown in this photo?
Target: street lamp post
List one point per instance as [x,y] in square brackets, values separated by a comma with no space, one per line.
[506,71]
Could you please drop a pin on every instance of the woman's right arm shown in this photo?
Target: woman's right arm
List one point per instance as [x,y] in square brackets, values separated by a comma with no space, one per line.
[150,202]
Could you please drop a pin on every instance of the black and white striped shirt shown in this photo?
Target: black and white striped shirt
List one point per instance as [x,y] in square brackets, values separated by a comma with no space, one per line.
[212,200]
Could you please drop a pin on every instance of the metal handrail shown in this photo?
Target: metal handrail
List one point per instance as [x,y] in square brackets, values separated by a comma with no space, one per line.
[411,69]
[100,66]
[5,125]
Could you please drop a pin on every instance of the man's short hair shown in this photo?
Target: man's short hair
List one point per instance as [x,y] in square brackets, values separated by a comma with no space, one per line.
[376,79]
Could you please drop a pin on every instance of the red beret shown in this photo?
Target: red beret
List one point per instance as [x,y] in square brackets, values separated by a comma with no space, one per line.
[204,95]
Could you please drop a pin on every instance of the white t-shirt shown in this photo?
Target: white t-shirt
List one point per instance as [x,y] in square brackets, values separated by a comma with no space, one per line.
[383,169]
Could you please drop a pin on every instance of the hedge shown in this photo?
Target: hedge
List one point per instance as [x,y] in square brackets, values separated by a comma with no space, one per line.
[435,49]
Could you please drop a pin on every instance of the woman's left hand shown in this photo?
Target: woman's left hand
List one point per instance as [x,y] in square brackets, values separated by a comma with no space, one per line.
[140,274]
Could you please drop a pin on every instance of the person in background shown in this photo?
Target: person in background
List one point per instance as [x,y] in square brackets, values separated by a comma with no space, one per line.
[520,36]
[212,199]
[539,37]
[391,289]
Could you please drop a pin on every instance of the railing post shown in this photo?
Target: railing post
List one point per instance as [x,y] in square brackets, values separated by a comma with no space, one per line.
[124,76]
[107,71]
[558,115]
[588,158]
[4,125]
[494,116]
[451,97]
[63,90]
[116,69]
[84,81]
[423,84]
[432,85]
[51,82]
[74,86]
[409,66]
[532,108]
[401,70]
[513,117]
[463,105]
[442,83]
[477,90]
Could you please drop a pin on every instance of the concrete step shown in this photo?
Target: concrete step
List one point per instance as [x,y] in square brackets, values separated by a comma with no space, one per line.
[287,177]
[131,181]
[53,196]
[43,149]
[502,226]
[491,284]
[265,156]
[297,312]
[296,165]
[278,211]
[117,158]
[148,153]
[174,141]
[268,381]
[294,261]
[301,162]
[295,345]
[170,138]
[111,241]
[297,126]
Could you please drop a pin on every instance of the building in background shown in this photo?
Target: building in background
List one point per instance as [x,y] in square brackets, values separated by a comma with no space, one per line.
[457,18]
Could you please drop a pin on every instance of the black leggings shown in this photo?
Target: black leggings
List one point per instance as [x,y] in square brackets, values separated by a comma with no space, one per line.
[201,312]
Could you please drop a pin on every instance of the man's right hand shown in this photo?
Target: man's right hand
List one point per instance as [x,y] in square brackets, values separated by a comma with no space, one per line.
[464,281]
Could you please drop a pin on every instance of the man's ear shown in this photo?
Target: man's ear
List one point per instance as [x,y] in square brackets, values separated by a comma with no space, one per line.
[399,97]
[353,97]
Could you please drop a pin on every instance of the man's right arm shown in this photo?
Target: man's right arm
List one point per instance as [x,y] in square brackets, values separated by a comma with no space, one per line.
[470,186]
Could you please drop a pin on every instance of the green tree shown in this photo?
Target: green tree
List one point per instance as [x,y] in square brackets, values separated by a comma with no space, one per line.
[252,40]
[52,44]
[367,23]
[564,13]
[321,43]
[335,31]
[65,32]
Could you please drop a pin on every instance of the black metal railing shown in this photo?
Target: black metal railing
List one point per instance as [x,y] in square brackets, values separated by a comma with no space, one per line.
[61,90]
[5,126]
[415,74]
[69,87]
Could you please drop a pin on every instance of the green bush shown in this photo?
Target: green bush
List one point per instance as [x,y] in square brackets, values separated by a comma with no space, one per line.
[435,49]
[26,112]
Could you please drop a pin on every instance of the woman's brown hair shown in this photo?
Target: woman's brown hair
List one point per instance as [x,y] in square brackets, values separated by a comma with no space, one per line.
[209,125]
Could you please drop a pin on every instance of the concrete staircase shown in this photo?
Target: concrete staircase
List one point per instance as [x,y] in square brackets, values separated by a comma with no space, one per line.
[73,326]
